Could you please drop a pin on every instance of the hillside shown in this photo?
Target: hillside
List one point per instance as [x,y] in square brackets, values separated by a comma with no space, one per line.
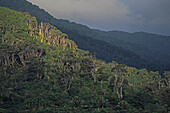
[41,70]
[151,47]
[122,47]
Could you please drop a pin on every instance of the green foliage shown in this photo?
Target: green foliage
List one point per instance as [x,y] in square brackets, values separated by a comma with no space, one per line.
[39,76]
[64,35]
[56,31]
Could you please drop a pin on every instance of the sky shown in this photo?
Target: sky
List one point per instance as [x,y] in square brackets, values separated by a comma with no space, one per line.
[152,16]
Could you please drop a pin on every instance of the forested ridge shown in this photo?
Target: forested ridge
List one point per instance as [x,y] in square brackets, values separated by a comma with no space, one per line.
[140,50]
[42,70]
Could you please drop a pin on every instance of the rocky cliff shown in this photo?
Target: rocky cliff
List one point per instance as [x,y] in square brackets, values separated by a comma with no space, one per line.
[26,29]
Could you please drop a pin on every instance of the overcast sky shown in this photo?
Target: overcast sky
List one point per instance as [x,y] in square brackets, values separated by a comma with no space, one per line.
[151,16]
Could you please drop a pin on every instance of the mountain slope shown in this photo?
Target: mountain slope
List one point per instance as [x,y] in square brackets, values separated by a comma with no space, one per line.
[104,50]
[41,70]
[144,44]
[134,49]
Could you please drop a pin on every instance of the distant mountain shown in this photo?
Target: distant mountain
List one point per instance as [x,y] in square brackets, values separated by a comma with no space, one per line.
[148,46]
[134,49]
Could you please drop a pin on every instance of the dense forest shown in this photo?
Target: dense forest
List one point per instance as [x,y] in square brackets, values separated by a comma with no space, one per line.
[42,70]
[140,50]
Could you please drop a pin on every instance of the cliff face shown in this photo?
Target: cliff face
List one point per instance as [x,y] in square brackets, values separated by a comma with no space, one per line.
[20,34]
[55,37]
[48,33]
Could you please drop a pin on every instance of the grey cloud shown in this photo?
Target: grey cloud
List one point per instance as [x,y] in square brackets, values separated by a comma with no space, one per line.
[150,15]
[127,15]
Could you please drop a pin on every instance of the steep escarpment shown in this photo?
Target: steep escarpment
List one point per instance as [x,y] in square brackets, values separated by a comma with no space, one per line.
[23,34]
[48,33]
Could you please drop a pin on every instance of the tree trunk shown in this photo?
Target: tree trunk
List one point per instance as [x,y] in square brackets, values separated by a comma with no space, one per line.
[117,92]
[121,92]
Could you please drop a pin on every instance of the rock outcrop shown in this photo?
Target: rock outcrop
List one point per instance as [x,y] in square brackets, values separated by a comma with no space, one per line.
[20,32]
